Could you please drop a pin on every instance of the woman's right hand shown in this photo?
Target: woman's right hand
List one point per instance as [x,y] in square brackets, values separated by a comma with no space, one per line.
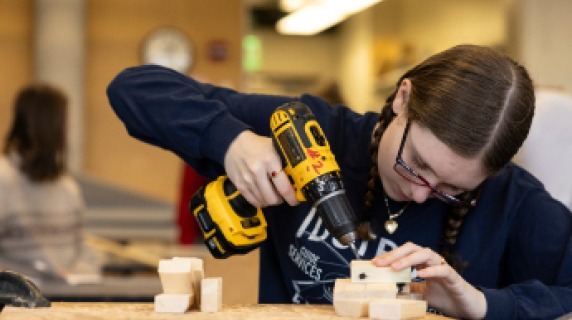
[445,289]
[254,166]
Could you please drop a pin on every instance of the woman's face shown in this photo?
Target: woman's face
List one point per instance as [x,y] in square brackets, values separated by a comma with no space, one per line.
[428,156]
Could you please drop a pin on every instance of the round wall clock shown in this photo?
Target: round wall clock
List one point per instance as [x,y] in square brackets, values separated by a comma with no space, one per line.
[169,47]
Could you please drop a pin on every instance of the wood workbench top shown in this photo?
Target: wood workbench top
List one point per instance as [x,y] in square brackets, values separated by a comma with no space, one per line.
[145,311]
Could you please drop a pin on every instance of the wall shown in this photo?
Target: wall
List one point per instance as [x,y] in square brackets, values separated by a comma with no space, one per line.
[113,37]
[59,60]
[115,30]
[396,34]
[356,63]
[437,25]
[115,33]
[312,60]
[540,33]
[15,55]
[353,54]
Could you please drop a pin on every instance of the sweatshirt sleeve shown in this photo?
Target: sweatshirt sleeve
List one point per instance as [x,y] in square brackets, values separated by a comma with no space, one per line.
[538,263]
[194,120]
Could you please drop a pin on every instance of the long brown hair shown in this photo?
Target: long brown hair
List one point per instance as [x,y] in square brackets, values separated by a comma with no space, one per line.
[478,102]
[38,132]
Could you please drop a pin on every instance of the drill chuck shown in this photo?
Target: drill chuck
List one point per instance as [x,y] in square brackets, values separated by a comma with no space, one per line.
[333,211]
[328,196]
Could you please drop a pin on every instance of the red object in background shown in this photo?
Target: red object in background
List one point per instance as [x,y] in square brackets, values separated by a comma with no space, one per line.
[189,231]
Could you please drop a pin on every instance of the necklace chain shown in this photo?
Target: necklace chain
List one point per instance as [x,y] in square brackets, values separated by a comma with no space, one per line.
[391,225]
[393,216]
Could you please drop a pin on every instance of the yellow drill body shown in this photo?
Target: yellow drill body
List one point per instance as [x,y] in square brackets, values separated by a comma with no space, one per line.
[303,146]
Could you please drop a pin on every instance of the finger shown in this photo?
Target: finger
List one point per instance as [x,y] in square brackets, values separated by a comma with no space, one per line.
[268,193]
[247,187]
[250,196]
[423,257]
[284,187]
[443,271]
[390,257]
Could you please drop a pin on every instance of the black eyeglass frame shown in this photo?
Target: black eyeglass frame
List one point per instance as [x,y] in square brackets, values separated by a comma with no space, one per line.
[447,198]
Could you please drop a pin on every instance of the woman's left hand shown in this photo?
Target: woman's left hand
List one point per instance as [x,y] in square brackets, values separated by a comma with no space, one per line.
[445,289]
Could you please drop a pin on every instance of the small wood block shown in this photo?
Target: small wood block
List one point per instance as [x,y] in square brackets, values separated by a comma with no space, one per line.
[355,308]
[176,276]
[211,294]
[380,290]
[197,275]
[344,288]
[393,309]
[176,264]
[364,271]
[411,296]
[173,303]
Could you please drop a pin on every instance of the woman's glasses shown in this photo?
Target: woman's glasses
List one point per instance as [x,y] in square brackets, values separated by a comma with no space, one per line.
[410,175]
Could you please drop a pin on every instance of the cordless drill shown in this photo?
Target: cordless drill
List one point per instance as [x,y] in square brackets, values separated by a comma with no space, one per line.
[231,225]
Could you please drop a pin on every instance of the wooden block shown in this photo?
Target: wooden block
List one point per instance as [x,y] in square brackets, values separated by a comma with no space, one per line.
[393,309]
[344,288]
[211,294]
[173,303]
[364,271]
[176,276]
[197,275]
[411,296]
[380,290]
[175,265]
[177,283]
[355,308]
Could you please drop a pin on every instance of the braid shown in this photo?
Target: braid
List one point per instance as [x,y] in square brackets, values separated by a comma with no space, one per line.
[453,224]
[364,230]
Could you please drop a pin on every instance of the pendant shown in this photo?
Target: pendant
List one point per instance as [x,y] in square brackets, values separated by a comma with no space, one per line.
[390,226]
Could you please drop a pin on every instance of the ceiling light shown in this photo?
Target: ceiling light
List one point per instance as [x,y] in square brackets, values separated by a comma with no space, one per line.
[318,15]
[292,5]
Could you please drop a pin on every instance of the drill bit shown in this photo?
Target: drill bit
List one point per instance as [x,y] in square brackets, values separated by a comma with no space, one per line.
[354,250]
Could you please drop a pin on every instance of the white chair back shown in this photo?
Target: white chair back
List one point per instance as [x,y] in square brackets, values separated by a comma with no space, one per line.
[547,152]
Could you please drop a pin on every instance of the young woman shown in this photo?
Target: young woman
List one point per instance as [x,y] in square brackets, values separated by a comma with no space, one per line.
[429,177]
[40,203]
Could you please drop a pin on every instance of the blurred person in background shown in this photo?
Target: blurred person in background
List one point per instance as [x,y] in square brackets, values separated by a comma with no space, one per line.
[41,205]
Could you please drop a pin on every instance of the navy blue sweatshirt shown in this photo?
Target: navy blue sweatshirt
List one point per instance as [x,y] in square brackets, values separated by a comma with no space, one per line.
[517,242]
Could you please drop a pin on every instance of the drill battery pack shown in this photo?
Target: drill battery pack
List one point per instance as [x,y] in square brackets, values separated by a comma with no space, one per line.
[230,224]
